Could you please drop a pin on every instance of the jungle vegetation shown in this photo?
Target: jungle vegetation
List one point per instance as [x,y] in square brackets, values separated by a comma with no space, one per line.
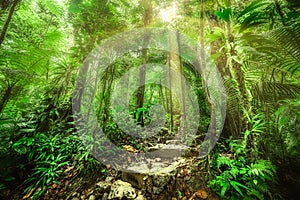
[254,44]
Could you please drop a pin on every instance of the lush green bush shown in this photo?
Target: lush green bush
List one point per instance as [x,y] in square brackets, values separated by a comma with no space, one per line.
[52,156]
[240,172]
[237,178]
[281,140]
[41,145]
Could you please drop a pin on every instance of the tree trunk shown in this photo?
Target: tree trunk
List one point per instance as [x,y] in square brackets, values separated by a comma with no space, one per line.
[108,93]
[9,17]
[238,75]
[181,82]
[176,82]
[170,98]
[142,71]
[100,111]
[141,89]
[161,94]
[6,97]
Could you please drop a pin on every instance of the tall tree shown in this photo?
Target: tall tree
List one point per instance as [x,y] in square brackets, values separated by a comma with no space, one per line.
[9,17]
[147,6]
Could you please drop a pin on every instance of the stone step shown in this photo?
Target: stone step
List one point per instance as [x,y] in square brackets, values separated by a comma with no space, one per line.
[137,175]
[162,181]
[169,150]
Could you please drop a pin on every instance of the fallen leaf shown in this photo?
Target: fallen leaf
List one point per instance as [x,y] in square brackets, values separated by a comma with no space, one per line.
[201,194]
[69,168]
[187,194]
[185,171]
[28,194]
[129,148]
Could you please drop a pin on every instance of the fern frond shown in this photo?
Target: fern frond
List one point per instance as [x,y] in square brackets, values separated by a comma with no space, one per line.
[262,169]
[223,160]
[233,95]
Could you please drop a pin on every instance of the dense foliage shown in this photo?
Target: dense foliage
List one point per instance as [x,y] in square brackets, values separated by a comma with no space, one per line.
[254,45]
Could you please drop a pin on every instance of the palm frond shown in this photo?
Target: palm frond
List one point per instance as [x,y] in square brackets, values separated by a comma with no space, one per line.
[269,92]
[288,39]
[281,46]
[254,14]
[253,6]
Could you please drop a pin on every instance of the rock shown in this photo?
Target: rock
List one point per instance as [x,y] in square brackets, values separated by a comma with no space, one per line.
[140,197]
[136,179]
[161,183]
[109,179]
[138,174]
[120,189]
[173,142]
[82,197]
[92,197]
[103,186]
[168,150]
[105,196]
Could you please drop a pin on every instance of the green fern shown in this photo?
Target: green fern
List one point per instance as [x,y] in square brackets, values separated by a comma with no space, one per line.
[223,160]
[263,169]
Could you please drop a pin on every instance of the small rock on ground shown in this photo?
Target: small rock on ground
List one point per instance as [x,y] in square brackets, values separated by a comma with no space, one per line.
[120,189]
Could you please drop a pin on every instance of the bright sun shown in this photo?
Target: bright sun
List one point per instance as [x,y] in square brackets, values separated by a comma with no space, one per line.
[169,14]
